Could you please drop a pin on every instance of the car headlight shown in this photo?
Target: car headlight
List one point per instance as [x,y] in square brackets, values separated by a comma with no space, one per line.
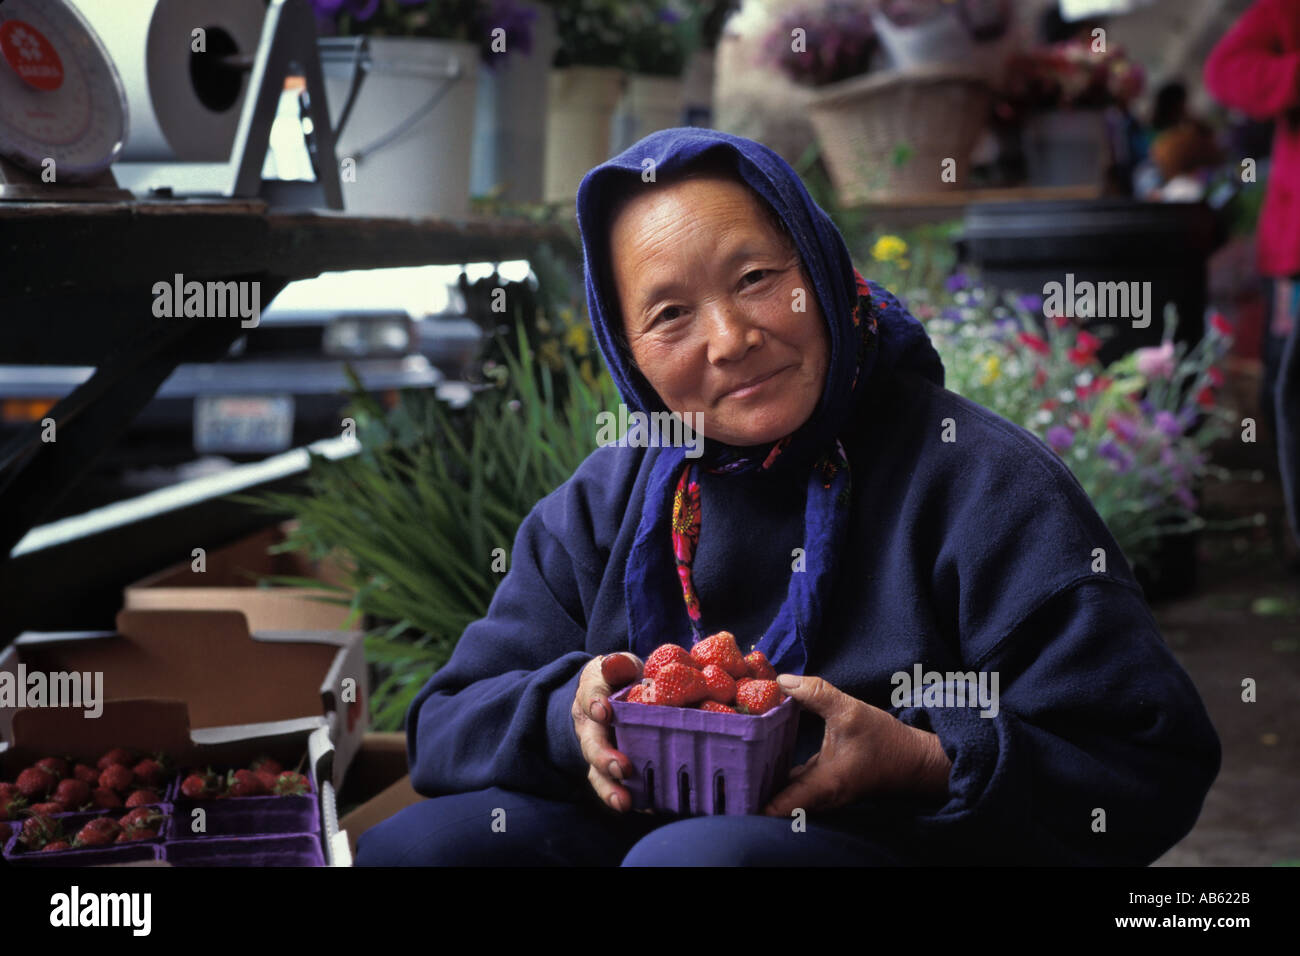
[351,336]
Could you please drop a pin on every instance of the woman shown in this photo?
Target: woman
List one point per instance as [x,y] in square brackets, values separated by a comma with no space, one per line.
[1256,69]
[856,521]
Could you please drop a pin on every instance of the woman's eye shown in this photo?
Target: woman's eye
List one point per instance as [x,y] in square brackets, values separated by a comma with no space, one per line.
[760,273]
[668,314]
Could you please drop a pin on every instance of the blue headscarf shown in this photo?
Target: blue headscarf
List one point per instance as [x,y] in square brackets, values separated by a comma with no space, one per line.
[869,332]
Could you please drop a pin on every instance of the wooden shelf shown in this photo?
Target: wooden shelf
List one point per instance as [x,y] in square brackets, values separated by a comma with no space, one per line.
[967,197]
[76,288]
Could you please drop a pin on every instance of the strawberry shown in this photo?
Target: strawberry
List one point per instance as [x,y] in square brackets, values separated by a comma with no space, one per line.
[200,786]
[714,707]
[267,778]
[291,784]
[666,654]
[11,802]
[141,817]
[102,823]
[150,773]
[95,837]
[49,808]
[117,755]
[142,798]
[8,791]
[758,696]
[677,686]
[759,667]
[245,783]
[54,765]
[721,649]
[72,793]
[36,782]
[38,831]
[87,774]
[56,845]
[619,669]
[637,694]
[116,777]
[266,764]
[105,799]
[719,685]
[126,836]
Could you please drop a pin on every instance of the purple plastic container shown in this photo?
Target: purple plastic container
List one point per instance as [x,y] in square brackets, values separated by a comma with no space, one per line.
[298,849]
[695,762]
[132,852]
[246,816]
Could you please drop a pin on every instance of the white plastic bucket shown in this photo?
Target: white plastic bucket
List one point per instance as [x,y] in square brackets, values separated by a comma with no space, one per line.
[410,128]
[580,111]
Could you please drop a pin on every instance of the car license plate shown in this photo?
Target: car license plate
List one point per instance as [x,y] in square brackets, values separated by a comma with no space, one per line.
[243,423]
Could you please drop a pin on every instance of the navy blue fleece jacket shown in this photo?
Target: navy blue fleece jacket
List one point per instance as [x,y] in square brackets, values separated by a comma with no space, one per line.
[973,554]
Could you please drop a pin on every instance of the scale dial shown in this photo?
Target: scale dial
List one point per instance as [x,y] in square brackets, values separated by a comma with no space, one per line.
[60,95]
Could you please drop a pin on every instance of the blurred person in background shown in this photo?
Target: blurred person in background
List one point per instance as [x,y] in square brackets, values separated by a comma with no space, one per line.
[1256,68]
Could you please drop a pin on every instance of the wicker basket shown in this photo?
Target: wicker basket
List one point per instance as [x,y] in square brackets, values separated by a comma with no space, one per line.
[868,123]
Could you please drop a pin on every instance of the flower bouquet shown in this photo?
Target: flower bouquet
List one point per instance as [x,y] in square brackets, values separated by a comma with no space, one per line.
[1134,433]
[838,42]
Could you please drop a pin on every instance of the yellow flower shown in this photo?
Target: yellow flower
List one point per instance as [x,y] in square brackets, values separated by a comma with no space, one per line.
[888,248]
[576,338]
[992,370]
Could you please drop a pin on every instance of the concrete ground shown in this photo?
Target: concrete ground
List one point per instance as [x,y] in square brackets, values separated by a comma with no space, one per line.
[1243,620]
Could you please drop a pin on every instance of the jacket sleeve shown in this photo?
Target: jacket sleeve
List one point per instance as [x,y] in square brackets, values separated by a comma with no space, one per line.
[1100,751]
[1249,70]
[498,713]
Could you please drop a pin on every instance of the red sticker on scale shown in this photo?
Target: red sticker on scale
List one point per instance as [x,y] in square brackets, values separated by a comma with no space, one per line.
[32,56]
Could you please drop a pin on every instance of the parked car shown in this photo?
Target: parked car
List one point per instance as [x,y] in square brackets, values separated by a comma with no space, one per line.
[281,385]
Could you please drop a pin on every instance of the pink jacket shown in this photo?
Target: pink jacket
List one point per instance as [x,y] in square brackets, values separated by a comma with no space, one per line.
[1256,69]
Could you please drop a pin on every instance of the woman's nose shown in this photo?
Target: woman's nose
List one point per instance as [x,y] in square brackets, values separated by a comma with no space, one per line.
[731,333]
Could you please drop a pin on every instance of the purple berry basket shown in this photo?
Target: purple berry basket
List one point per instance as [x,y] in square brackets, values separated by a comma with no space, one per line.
[246,816]
[132,852]
[696,762]
[299,849]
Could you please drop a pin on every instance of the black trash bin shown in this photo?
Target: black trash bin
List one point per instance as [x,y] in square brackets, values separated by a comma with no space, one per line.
[1023,246]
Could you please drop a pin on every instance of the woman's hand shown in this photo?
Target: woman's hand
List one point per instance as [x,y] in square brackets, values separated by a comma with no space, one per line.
[591,717]
[865,751]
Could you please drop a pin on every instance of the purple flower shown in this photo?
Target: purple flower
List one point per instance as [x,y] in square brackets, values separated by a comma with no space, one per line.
[517,21]
[1122,460]
[1147,408]
[957,282]
[951,314]
[1030,303]
[1187,499]
[1168,424]
[1060,437]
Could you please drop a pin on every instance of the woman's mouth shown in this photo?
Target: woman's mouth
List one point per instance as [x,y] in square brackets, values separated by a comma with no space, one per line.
[754,385]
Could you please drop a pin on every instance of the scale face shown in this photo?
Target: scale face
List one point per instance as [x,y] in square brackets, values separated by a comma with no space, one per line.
[60,95]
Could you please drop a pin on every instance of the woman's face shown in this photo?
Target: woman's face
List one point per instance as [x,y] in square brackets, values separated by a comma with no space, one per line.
[709,291]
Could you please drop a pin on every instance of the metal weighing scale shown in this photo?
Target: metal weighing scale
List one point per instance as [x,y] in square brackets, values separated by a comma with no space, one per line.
[64,115]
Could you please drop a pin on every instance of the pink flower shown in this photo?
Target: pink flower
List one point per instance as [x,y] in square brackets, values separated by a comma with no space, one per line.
[1158,362]
[1220,324]
[1035,343]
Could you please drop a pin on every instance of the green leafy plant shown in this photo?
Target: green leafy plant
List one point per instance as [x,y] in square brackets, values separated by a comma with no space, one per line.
[420,510]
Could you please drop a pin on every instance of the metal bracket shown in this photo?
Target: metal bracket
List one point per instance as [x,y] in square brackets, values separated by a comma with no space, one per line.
[288,47]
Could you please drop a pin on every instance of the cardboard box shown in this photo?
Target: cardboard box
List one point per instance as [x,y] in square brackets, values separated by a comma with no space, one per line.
[380,778]
[229,582]
[202,680]
[153,725]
